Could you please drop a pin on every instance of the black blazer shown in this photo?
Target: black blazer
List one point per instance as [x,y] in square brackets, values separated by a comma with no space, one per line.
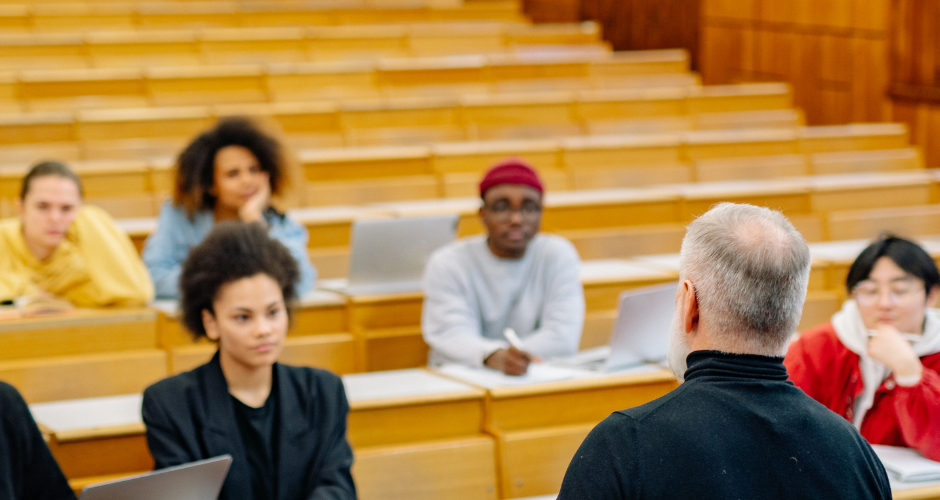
[190,417]
[28,470]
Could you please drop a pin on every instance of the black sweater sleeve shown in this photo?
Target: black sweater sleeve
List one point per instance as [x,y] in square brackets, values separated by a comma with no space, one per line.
[28,471]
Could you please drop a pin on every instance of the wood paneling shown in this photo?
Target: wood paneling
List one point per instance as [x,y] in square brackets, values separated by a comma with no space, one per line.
[847,60]
[833,52]
[553,11]
[631,24]
[914,71]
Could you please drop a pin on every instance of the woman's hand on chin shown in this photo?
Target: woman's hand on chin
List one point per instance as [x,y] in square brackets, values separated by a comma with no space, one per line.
[253,209]
[890,348]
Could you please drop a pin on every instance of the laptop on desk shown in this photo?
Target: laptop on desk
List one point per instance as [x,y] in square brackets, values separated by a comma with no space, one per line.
[201,480]
[641,331]
[389,255]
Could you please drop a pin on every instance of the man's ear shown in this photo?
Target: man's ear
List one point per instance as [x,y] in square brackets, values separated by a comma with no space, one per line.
[210,325]
[689,305]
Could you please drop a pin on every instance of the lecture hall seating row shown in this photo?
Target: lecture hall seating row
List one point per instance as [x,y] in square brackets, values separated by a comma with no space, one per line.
[617,223]
[349,333]
[154,132]
[374,174]
[81,17]
[72,89]
[219,46]
[416,434]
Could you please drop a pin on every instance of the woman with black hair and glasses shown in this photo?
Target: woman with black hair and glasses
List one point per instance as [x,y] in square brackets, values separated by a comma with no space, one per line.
[878,362]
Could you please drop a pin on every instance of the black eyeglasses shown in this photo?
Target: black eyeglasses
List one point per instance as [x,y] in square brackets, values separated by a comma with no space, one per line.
[529,211]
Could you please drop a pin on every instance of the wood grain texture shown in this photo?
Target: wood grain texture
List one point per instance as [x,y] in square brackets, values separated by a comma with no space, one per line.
[632,24]
[835,53]
[456,469]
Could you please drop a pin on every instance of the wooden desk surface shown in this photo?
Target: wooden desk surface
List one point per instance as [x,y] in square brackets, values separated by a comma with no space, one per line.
[404,406]
[334,214]
[573,402]
[92,417]
[566,199]
[930,492]
[914,491]
[79,317]
[605,279]
[742,188]
[606,271]
[585,397]
[82,331]
[838,251]
[96,436]
[866,180]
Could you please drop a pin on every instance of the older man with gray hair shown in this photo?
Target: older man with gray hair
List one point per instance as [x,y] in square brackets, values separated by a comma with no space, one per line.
[736,428]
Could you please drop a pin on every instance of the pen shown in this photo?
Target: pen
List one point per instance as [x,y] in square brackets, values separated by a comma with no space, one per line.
[513,339]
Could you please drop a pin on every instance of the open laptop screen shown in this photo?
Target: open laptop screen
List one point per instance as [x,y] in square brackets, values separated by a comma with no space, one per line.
[201,480]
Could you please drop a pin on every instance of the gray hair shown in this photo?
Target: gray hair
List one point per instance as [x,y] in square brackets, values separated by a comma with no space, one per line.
[750,268]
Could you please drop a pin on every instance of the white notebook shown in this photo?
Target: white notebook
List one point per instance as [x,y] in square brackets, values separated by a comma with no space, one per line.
[538,373]
[907,465]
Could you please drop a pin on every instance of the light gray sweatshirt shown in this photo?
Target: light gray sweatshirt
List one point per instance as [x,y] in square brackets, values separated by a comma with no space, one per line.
[471,296]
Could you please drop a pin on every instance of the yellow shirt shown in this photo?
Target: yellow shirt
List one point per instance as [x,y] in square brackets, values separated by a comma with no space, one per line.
[95,265]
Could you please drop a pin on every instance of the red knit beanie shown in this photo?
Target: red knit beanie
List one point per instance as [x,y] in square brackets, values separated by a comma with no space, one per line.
[511,171]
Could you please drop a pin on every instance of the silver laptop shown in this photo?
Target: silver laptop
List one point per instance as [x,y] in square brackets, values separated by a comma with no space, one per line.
[389,255]
[201,480]
[641,331]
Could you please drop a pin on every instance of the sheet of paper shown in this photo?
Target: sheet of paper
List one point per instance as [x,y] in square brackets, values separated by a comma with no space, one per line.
[636,370]
[398,384]
[166,306]
[907,465]
[538,373]
[90,413]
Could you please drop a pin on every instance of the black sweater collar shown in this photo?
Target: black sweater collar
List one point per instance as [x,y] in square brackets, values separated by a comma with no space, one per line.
[725,365]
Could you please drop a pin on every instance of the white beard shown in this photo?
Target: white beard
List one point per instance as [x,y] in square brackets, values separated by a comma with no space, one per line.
[678,349]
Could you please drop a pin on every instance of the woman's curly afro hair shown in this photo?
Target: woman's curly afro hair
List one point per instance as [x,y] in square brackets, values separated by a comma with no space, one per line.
[232,251]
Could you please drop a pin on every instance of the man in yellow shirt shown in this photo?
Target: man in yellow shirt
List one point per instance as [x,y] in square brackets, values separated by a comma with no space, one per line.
[59,247]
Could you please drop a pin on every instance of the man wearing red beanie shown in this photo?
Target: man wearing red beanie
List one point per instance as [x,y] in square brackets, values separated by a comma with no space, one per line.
[511,277]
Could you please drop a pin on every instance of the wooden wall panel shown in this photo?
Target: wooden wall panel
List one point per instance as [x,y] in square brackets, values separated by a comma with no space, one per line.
[741,10]
[869,102]
[833,52]
[630,24]
[871,14]
[728,52]
[778,12]
[835,14]
[553,11]
[915,47]
[914,71]
[777,56]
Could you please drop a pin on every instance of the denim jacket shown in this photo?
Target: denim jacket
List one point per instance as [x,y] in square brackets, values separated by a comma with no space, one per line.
[168,246]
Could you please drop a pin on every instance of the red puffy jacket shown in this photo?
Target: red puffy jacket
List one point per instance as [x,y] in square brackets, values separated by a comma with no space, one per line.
[828,372]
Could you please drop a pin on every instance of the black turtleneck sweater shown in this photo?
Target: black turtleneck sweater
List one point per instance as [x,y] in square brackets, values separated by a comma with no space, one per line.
[736,429]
